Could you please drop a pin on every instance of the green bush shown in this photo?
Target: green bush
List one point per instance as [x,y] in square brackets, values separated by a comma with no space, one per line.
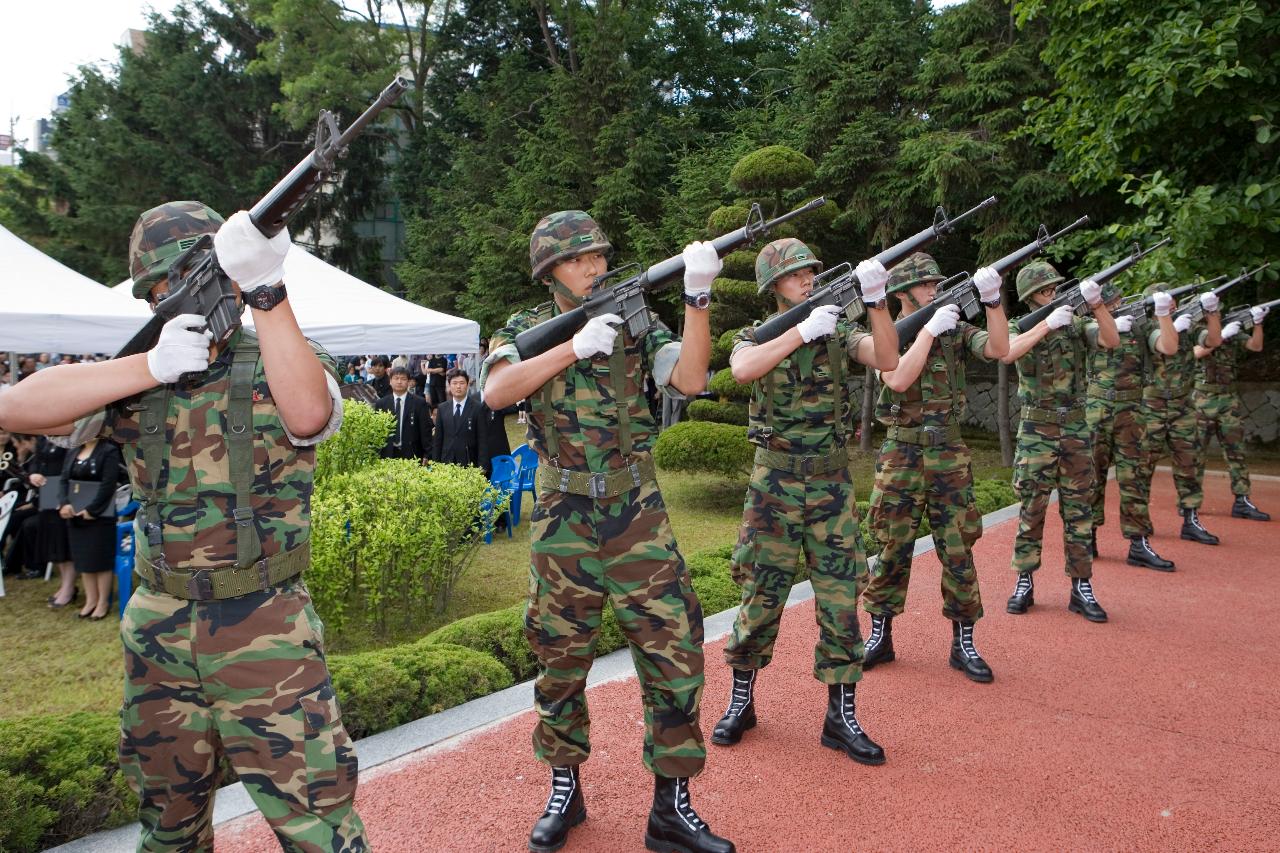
[722,348]
[59,779]
[991,495]
[390,540]
[364,432]
[739,265]
[728,218]
[771,169]
[499,633]
[722,384]
[721,413]
[702,446]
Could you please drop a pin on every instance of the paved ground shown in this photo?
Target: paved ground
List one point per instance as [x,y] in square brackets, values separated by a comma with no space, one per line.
[1154,731]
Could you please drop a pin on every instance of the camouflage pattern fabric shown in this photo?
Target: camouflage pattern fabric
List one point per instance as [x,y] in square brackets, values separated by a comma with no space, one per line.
[1035,276]
[919,268]
[160,235]
[563,235]
[782,257]
[246,677]
[1118,430]
[1218,414]
[1171,419]
[620,549]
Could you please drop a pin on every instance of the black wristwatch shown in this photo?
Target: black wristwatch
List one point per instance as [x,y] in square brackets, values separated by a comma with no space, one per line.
[702,301]
[266,298]
[995,303]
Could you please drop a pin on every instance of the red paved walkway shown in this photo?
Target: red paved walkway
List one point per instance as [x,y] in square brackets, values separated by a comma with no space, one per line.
[1155,731]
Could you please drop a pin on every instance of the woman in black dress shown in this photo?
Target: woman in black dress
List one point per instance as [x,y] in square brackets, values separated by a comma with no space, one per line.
[91,531]
[50,528]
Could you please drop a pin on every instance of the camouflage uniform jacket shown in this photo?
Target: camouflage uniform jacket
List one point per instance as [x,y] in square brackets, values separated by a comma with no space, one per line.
[1171,375]
[1124,368]
[582,398]
[1219,366]
[1052,374]
[937,397]
[195,480]
[807,417]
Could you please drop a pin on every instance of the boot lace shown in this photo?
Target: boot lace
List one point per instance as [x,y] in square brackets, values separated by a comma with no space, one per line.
[1024,585]
[741,696]
[847,709]
[966,643]
[563,786]
[877,632]
[684,809]
[1193,519]
[1085,590]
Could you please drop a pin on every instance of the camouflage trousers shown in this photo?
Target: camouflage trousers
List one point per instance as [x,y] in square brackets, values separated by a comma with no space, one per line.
[911,479]
[784,515]
[619,550]
[243,677]
[1171,426]
[1048,457]
[1218,416]
[1119,431]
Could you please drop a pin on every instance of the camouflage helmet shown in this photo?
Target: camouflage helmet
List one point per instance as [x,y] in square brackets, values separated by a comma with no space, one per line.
[1035,276]
[780,258]
[161,234]
[561,236]
[1154,287]
[1110,293]
[920,268]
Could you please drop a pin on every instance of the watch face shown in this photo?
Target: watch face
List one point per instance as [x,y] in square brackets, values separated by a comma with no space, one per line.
[702,300]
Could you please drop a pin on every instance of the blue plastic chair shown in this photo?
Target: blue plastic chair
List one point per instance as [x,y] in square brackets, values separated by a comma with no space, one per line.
[526,474]
[503,479]
[125,548]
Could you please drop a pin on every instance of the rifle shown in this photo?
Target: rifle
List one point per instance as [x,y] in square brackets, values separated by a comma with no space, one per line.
[1068,293]
[846,290]
[960,290]
[197,284]
[1139,307]
[1191,306]
[626,299]
[1244,316]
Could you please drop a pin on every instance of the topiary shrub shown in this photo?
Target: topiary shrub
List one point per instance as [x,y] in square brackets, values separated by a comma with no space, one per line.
[363,433]
[717,592]
[731,217]
[991,495]
[702,446]
[771,168]
[374,693]
[499,633]
[739,265]
[724,386]
[716,412]
[721,349]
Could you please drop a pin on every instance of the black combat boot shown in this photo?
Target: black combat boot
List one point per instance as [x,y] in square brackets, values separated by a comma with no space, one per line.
[1083,602]
[879,648]
[742,709]
[1192,529]
[840,729]
[1244,508]
[565,810]
[674,827]
[1023,596]
[1142,554]
[965,657]
[1093,542]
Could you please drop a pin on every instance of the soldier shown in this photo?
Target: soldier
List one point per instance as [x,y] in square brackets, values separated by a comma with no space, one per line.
[600,531]
[1118,428]
[1170,417]
[1053,439]
[801,494]
[1218,411]
[924,463]
[223,651]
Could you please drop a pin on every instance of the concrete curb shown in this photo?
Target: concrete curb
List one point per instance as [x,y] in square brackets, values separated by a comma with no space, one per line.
[379,752]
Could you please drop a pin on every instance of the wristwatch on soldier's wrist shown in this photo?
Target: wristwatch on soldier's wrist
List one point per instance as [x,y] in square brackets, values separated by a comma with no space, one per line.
[266,298]
[994,303]
[882,303]
[700,301]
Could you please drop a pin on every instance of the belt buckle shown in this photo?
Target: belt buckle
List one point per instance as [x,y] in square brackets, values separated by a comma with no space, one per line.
[935,435]
[634,468]
[564,479]
[807,465]
[596,485]
[200,585]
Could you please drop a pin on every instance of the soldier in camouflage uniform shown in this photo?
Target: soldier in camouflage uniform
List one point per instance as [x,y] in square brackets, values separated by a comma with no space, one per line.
[1053,449]
[600,534]
[1218,411]
[801,500]
[1118,428]
[223,650]
[1171,417]
[924,463]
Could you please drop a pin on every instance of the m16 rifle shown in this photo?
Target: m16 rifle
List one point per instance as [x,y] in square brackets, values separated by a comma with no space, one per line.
[198,285]
[1068,293]
[1244,316]
[1191,307]
[846,291]
[1139,307]
[626,299]
[960,289]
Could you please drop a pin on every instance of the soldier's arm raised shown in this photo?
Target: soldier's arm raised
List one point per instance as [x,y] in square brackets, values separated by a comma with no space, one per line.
[880,350]
[1254,344]
[749,363]
[295,375]
[49,402]
[507,383]
[910,365]
[1167,343]
[1024,342]
[997,346]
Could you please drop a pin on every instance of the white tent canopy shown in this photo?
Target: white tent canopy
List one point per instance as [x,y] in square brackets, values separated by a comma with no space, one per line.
[46,307]
[349,317]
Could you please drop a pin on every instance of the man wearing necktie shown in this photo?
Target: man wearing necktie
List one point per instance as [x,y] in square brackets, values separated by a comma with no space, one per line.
[458,432]
[411,437]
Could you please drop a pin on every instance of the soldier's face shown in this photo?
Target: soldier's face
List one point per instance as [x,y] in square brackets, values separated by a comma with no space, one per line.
[795,287]
[1043,296]
[924,293]
[578,273]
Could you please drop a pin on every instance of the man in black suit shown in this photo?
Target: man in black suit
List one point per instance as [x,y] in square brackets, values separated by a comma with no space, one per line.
[457,437]
[411,437]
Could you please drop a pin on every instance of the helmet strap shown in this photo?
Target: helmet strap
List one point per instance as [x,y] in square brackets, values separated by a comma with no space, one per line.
[562,290]
[782,300]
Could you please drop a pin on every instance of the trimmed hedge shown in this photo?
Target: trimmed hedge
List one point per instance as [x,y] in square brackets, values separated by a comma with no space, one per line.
[703,446]
[499,633]
[772,168]
[721,349]
[716,412]
[723,385]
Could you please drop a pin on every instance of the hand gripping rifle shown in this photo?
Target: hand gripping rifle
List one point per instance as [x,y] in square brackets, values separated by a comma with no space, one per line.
[1191,306]
[197,284]
[960,289]
[846,290]
[1244,316]
[1068,293]
[626,298]
[1139,307]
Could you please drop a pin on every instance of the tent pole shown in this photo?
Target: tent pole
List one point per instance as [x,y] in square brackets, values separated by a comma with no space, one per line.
[13,368]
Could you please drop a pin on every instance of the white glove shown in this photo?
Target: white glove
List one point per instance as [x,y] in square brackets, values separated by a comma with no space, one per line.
[987,281]
[597,336]
[872,276]
[180,349]
[1258,314]
[1230,330]
[701,266]
[1209,302]
[943,320]
[1060,316]
[1091,291]
[1124,324]
[250,259]
[1163,303]
[821,321]
[1182,323]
